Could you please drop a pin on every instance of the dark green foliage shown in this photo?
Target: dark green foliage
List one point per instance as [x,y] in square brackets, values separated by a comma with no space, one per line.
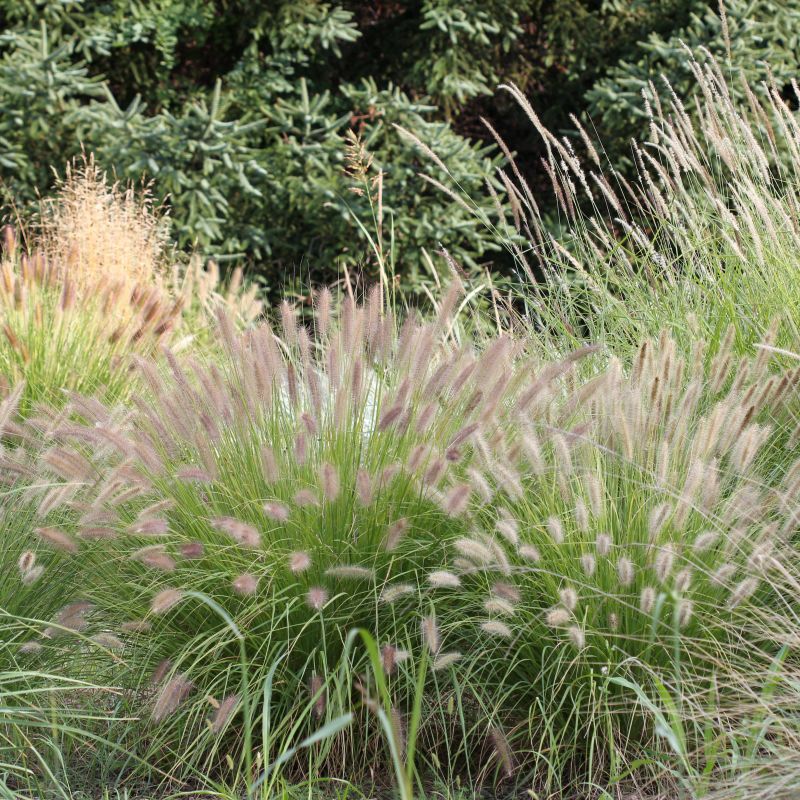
[764,43]
[238,110]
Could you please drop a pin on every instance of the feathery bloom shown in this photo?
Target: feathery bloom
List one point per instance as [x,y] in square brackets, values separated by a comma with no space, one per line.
[555,529]
[26,562]
[329,481]
[474,550]
[685,609]
[625,571]
[108,640]
[363,487]
[722,574]
[496,628]
[456,501]
[395,591]
[165,600]
[446,660]
[704,541]
[603,544]
[430,634]
[243,534]
[529,552]
[350,572]
[316,689]
[395,533]
[276,511]
[569,598]
[155,557]
[391,656]
[245,584]
[743,590]
[581,516]
[32,575]
[58,539]
[192,550]
[299,561]
[506,591]
[588,564]
[136,626]
[683,579]
[316,597]
[558,616]
[647,599]
[509,530]
[664,562]
[442,579]
[171,695]
[223,713]
[576,636]
[499,605]
[306,497]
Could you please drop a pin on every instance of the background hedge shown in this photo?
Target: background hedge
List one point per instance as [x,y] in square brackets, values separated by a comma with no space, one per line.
[237,110]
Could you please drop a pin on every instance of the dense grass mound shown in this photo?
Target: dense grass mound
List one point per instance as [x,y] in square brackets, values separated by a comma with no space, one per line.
[553,539]
[96,283]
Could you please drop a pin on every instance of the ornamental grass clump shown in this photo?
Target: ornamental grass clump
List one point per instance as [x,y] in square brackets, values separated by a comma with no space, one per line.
[703,233]
[95,282]
[628,527]
[296,483]
[537,532]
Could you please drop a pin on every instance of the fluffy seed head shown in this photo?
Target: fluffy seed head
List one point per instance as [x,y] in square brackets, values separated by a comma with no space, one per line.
[456,501]
[364,487]
[588,564]
[299,561]
[496,628]
[32,575]
[509,530]
[26,562]
[395,591]
[172,694]
[569,598]
[316,597]
[58,539]
[577,637]
[350,572]
[581,516]
[243,534]
[329,481]
[223,714]
[430,634]
[743,590]
[245,584]
[705,541]
[723,574]
[685,609]
[474,550]
[647,599]
[529,552]
[499,605]
[165,600]
[603,544]
[446,660]
[683,580]
[555,529]
[442,579]
[556,617]
[395,533]
[625,571]
[192,550]
[664,562]
[155,557]
[276,511]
